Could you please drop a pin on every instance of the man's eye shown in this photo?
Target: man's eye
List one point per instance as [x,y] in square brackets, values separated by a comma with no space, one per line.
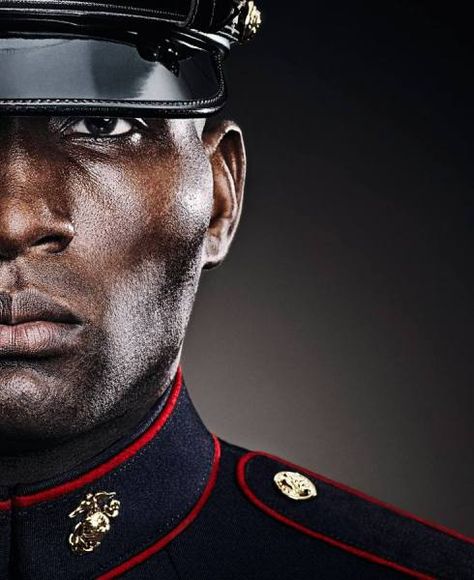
[100,127]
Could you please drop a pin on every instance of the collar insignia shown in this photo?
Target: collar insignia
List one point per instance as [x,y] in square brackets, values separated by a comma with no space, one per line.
[98,509]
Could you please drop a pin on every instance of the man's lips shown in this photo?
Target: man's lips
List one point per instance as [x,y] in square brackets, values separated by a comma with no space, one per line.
[34,324]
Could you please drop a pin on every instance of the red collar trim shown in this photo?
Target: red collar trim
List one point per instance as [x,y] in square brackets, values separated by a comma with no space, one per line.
[5,505]
[163,541]
[109,465]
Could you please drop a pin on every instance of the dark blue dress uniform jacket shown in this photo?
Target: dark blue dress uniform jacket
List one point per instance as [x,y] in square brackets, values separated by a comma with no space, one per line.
[194,507]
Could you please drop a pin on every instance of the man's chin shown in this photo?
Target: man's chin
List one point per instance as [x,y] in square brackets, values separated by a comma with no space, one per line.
[33,403]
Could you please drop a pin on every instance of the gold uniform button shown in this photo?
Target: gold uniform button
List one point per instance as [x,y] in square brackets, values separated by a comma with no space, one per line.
[294,485]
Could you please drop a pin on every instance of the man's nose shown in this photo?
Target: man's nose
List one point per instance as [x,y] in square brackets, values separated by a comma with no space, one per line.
[32,218]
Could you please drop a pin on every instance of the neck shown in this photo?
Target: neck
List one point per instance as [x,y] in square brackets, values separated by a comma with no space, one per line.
[23,462]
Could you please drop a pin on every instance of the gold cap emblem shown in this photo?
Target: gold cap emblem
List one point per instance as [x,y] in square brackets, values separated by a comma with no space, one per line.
[98,509]
[248,20]
[294,485]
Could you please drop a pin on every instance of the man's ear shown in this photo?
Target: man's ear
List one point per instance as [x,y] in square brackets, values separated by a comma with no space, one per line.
[225,148]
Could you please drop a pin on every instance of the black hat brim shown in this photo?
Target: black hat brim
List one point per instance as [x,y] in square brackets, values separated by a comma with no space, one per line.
[59,75]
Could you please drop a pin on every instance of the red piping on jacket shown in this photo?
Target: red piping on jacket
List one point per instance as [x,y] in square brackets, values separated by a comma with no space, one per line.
[394,509]
[328,539]
[5,505]
[113,462]
[162,542]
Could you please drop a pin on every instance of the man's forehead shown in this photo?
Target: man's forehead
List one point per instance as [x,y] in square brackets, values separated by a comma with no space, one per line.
[200,123]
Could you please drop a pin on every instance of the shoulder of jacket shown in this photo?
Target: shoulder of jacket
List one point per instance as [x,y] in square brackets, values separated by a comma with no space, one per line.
[353,521]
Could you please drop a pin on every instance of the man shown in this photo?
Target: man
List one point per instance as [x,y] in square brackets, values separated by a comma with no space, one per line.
[114,196]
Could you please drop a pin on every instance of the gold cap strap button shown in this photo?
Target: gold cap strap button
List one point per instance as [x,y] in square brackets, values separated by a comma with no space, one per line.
[248,20]
[294,485]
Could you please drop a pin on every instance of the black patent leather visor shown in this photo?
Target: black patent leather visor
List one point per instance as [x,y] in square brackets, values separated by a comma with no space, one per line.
[64,75]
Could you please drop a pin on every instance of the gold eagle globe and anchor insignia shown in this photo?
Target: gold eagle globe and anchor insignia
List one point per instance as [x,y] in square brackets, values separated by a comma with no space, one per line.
[248,20]
[98,508]
[294,485]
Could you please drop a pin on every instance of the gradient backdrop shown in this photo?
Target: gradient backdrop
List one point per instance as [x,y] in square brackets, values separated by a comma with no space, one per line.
[339,333]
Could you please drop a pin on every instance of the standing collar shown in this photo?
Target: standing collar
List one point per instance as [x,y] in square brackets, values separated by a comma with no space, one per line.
[161,476]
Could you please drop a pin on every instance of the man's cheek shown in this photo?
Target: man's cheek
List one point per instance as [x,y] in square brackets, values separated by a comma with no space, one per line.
[130,303]
[141,318]
[190,208]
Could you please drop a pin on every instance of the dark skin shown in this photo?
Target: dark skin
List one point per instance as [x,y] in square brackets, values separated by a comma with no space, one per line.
[114,220]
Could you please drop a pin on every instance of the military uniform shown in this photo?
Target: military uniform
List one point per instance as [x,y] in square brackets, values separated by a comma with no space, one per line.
[173,501]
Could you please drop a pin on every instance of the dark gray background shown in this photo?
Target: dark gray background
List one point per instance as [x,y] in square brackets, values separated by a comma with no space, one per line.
[339,333]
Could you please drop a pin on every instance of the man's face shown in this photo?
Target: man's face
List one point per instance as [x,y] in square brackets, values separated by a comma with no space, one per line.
[105,226]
